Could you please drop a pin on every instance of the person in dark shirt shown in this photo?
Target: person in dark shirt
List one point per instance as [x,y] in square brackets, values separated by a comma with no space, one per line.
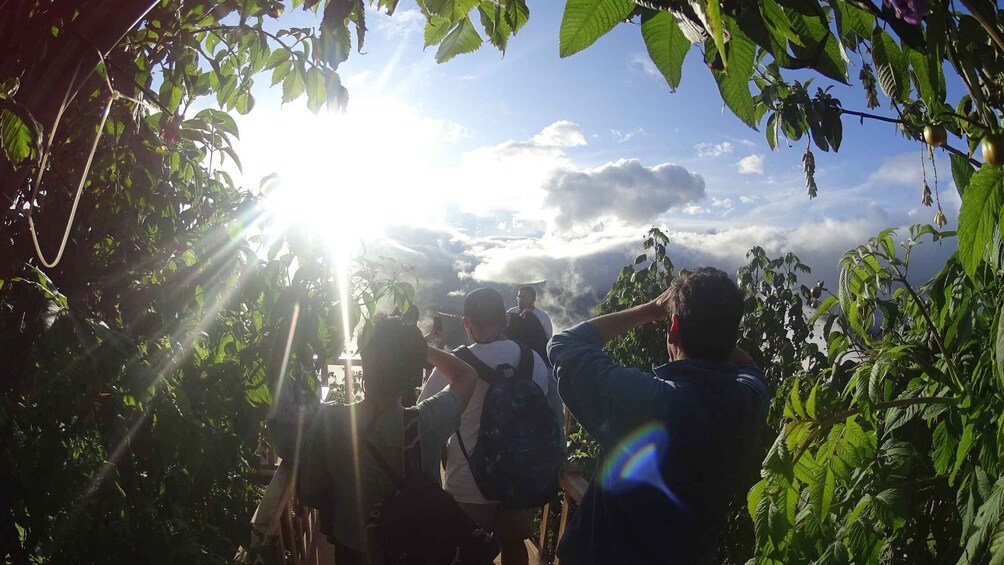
[675,442]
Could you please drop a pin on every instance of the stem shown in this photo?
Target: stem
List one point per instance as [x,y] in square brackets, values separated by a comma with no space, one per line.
[991,29]
[935,333]
[872,116]
[901,121]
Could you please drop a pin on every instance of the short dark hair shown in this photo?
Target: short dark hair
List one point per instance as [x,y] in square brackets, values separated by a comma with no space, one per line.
[393,357]
[709,306]
[529,290]
[485,308]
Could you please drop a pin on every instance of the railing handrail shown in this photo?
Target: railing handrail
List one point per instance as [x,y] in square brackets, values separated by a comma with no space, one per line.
[278,495]
[574,484]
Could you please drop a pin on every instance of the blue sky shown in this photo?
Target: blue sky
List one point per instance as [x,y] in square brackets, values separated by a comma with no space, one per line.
[492,170]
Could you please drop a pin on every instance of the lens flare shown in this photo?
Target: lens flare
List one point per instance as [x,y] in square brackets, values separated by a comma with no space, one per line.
[635,461]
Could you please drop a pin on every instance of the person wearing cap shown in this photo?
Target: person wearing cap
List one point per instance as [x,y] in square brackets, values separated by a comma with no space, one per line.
[528,324]
[485,322]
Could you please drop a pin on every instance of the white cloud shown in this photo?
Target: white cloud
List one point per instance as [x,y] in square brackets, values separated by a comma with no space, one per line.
[644,63]
[725,203]
[621,137]
[713,149]
[751,164]
[356,80]
[623,190]
[748,199]
[402,24]
[562,133]
[902,169]
[452,131]
[694,210]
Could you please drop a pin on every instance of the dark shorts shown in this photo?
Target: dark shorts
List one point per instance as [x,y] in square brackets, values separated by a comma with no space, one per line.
[504,523]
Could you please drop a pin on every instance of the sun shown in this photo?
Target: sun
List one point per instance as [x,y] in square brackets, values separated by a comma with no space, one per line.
[347,177]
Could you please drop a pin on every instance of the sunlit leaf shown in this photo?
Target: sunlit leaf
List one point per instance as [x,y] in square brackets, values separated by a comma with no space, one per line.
[666,44]
[462,39]
[585,21]
[979,216]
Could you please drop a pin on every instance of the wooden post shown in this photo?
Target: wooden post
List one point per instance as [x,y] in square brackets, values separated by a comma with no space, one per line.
[542,541]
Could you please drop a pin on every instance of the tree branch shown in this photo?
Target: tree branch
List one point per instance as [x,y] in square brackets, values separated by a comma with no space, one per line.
[887,119]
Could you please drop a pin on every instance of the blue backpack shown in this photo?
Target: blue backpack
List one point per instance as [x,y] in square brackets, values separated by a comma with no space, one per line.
[519,451]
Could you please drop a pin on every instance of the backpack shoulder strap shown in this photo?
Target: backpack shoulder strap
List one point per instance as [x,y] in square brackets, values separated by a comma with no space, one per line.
[412,443]
[383,464]
[486,373]
[524,370]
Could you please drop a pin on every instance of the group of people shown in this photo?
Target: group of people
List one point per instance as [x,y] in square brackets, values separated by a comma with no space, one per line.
[457,477]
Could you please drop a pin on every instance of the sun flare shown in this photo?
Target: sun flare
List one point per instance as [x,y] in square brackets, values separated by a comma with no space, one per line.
[346,177]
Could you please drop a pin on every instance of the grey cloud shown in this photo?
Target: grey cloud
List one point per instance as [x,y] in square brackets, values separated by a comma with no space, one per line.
[573,277]
[625,190]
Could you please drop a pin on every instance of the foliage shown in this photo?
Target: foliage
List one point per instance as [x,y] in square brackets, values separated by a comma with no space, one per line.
[138,369]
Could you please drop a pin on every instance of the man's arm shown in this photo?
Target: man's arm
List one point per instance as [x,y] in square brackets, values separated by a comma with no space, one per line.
[436,383]
[462,377]
[609,326]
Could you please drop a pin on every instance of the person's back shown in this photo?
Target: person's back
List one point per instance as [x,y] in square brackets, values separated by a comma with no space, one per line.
[339,468]
[485,322]
[676,443]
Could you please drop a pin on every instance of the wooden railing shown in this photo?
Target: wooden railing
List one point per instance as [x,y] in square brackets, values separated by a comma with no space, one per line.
[283,531]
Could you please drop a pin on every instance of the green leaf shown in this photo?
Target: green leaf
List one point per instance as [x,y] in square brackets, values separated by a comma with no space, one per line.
[979,216]
[754,497]
[452,10]
[988,519]
[795,401]
[316,91]
[516,14]
[821,491]
[962,172]
[943,447]
[999,349]
[293,86]
[666,44]
[891,66]
[962,451]
[281,71]
[277,58]
[17,138]
[890,507]
[733,84]
[436,29]
[495,27]
[463,39]
[928,76]
[585,21]
[715,21]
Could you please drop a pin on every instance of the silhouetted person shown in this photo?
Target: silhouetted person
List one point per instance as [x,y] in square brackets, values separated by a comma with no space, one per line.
[527,323]
[677,442]
[339,472]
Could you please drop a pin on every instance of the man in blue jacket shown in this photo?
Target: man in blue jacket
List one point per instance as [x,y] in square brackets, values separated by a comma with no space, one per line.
[675,442]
